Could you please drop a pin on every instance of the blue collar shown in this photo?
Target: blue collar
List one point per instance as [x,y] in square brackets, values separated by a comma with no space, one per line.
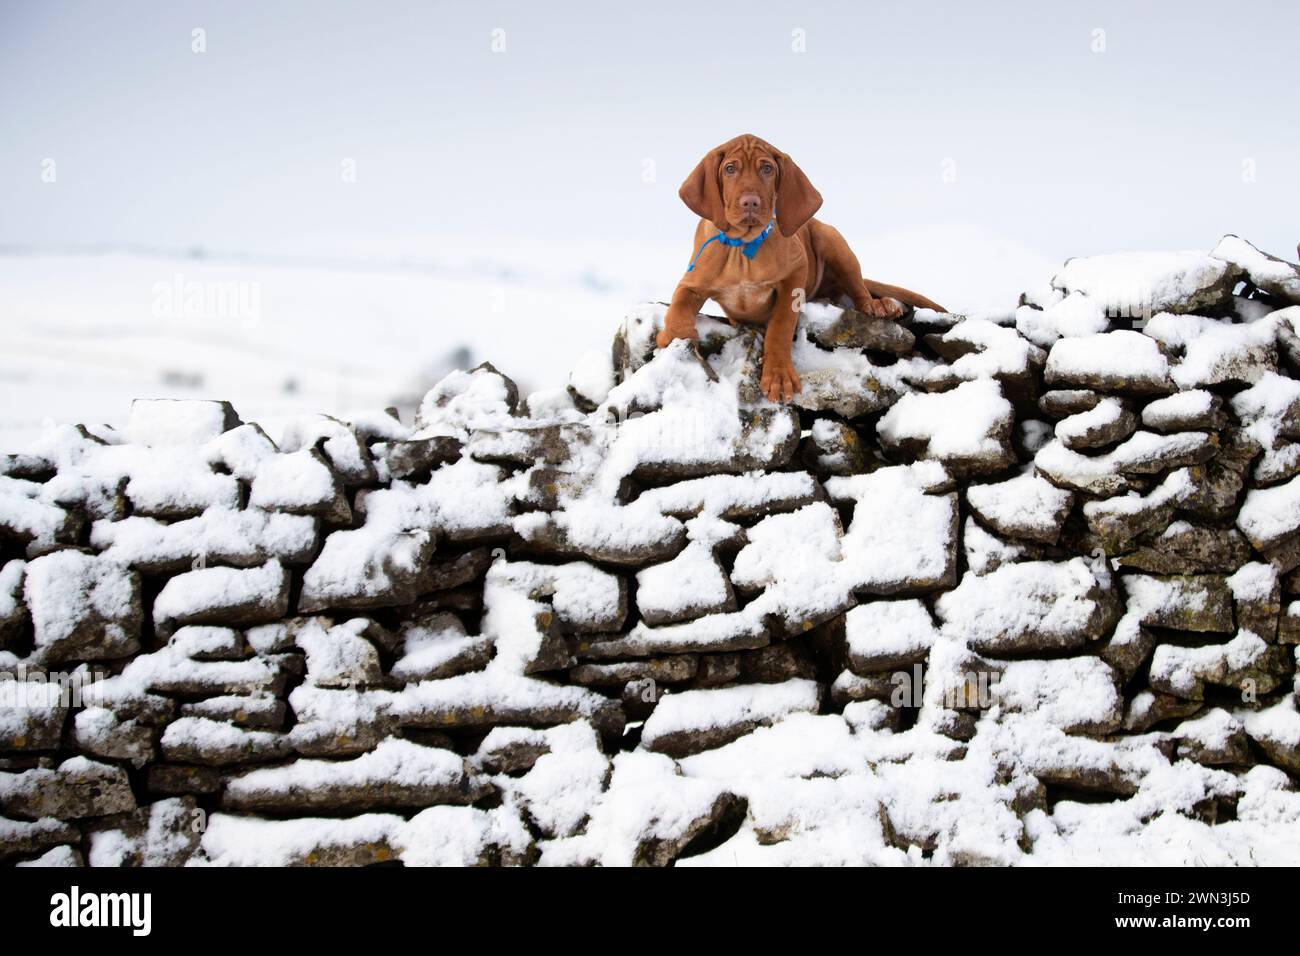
[749,249]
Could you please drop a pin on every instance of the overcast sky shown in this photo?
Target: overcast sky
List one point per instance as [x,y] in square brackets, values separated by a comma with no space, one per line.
[1174,125]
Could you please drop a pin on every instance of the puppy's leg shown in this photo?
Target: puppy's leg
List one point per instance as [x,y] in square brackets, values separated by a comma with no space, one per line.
[679,322]
[843,267]
[780,381]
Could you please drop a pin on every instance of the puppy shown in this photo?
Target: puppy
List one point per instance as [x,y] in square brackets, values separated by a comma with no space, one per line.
[760,254]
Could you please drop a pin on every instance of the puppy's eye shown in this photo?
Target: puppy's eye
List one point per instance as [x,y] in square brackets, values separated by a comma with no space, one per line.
[731,169]
[766,169]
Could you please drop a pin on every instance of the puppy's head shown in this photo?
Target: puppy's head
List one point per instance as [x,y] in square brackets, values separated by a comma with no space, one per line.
[744,181]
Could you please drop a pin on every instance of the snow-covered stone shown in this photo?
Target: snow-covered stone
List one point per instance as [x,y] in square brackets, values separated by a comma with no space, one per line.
[1025,507]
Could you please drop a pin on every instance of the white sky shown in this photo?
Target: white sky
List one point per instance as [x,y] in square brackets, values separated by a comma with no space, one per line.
[1054,146]
[516,184]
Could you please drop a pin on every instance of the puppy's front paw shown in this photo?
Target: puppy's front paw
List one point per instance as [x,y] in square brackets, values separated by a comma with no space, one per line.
[883,308]
[780,381]
[669,334]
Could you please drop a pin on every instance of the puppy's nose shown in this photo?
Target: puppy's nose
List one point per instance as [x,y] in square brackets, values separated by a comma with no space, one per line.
[750,202]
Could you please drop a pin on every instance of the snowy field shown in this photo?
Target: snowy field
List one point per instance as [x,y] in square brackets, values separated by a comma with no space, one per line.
[350,327]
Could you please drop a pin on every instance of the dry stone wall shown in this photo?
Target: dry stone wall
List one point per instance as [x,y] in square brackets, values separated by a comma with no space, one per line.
[998,588]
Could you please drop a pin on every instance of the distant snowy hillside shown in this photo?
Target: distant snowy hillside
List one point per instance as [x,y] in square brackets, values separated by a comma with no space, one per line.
[345,327]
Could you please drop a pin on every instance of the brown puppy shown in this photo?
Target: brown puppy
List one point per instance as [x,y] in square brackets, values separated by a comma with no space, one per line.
[739,189]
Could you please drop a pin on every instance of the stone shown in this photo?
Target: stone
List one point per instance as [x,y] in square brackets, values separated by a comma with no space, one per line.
[83,608]
[216,744]
[158,422]
[1060,403]
[435,646]
[228,596]
[398,774]
[1273,275]
[1201,602]
[1246,663]
[1187,548]
[1215,738]
[834,448]
[78,788]
[367,568]
[165,780]
[1149,708]
[1026,507]
[29,837]
[697,720]
[416,459]
[1031,606]
[834,327]
[941,427]
[255,713]
[887,635]
[1107,423]
[1141,283]
[527,444]
[165,833]
[662,670]
[617,536]
[457,570]
[1192,410]
[99,733]
[689,586]
[776,663]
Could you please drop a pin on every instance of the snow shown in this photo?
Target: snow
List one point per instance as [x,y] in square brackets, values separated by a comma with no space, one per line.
[1052,604]
[883,634]
[1140,283]
[584,597]
[1026,506]
[796,559]
[337,440]
[1071,316]
[175,422]
[1073,428]
[1189,409]
[730,495]
[217,535]
[297,482]
[1123,355]
[693,711]
[969,421]
[1269,515]
[1270,411]
[1215,351]
[592,376]
[67,589]
[1267,272]
[563,786]
[394,763]
[899,533]
[690,584]
[996,351]
[216,592]
[1072,694]
[1254,581]
[339,656]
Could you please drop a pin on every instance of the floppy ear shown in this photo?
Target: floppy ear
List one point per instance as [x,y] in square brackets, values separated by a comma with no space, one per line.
[796,199]
[701,194]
